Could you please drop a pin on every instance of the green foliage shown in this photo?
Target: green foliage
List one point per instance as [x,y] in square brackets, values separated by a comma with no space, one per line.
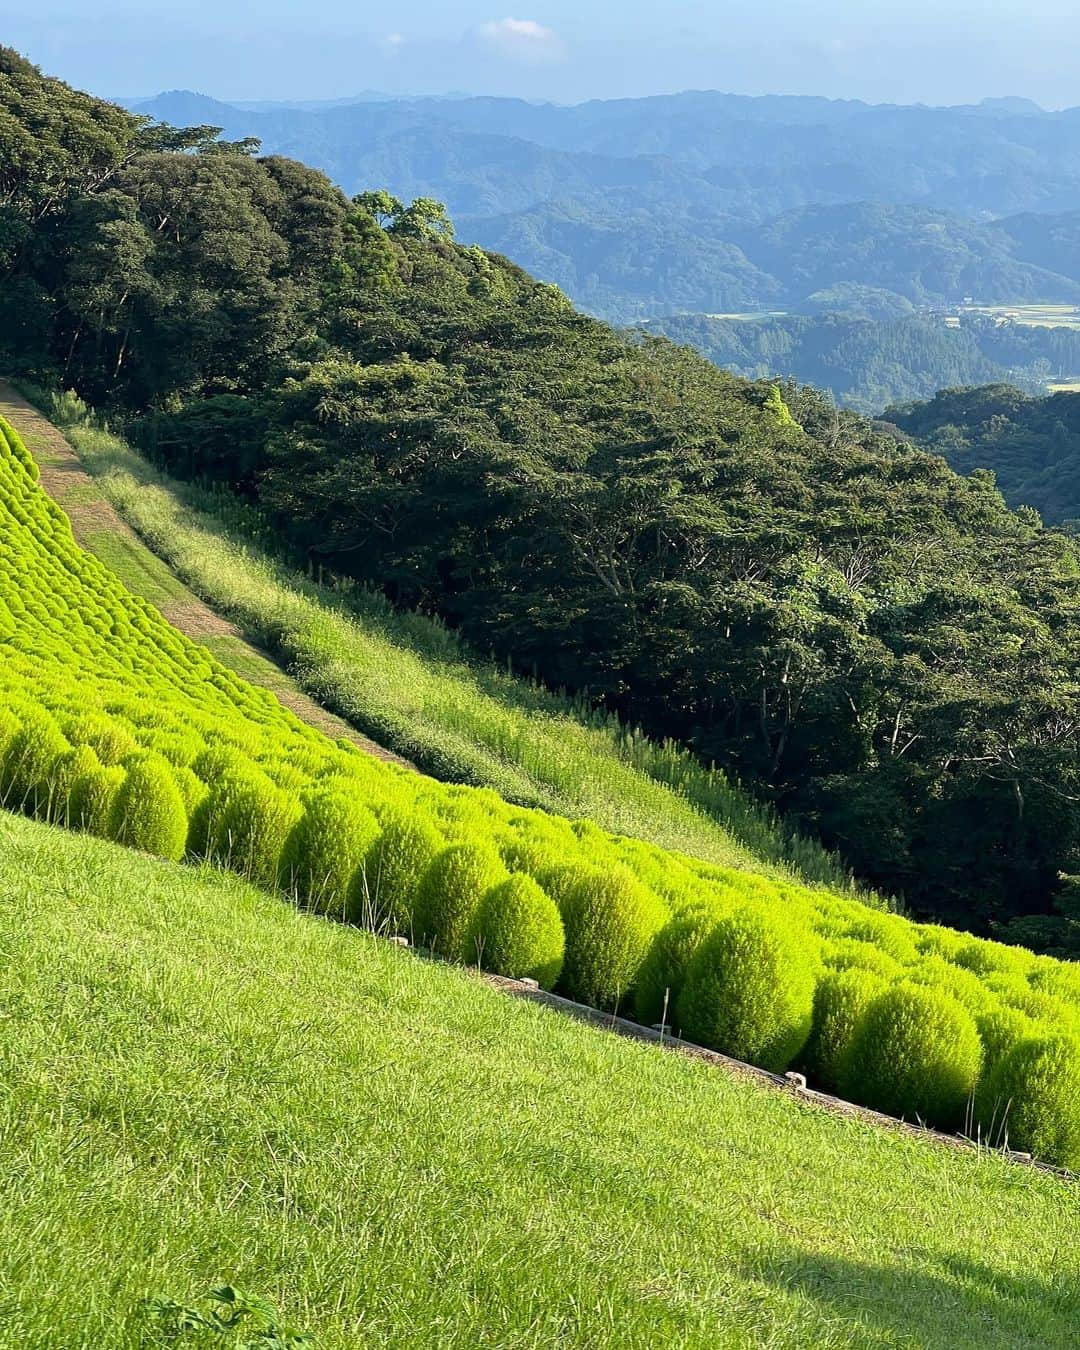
[110,740]
[518,932]
[253,828]
[610,920]
[749,990]
[148,810]
[915,1053]
[1031,1100]
[663,971]
[29,760]
[225,1316]
[840,1001]
[449,896]
[92,799]
[394,868]
[323,858]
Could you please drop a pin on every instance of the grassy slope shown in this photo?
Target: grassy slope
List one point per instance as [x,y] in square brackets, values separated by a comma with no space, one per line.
[199,1084]
[405,681]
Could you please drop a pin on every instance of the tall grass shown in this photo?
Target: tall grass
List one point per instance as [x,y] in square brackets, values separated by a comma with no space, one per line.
[408,682]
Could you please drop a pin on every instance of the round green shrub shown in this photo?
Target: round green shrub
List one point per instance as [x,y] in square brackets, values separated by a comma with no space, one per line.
[1059,979]
[663,971]
[851,954]
[396,862]
[988,958]
[323,858]
[749,991]
[1000,1028]
[916,1053]
[252,831]
[610,920]
[963,984]
[111,741]
[840,1000]
[148,812]
[518,932]
[29,761]
[70,767]
[1031,1100]
[449,895]
[227,774]
[92,797]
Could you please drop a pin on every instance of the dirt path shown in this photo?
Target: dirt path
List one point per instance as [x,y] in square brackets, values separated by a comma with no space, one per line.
[101,531]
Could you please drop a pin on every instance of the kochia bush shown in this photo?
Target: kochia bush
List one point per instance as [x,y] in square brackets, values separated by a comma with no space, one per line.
[323,858]
[1031,1100]
[840,1000]
[449,895]
[663,972]
[610,920]
[29,760]
[518,931]
[394,867]
[252,831]
[749,991]
[148,812]
[92,797]
[916,1053]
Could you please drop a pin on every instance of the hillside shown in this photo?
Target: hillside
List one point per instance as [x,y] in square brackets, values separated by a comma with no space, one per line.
[402,677]
[203,1086]
[1032,445]
[869,360]
[707,203]
[117,726]
[871,643]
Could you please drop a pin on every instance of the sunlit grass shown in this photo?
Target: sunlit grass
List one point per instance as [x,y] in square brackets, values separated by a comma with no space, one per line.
[200,1084]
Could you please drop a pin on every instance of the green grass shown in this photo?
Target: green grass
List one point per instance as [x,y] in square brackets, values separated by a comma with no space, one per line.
[404,680]
[201,1084]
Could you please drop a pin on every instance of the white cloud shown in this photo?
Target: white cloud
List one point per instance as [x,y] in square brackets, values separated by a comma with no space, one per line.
[392,43]
[522,40]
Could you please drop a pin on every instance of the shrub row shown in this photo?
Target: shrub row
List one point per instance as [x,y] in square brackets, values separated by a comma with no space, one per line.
[113,723]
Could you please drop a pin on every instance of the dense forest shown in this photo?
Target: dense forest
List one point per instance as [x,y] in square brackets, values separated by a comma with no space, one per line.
[712,204]
[1031,444]
[869,639]
[869,352]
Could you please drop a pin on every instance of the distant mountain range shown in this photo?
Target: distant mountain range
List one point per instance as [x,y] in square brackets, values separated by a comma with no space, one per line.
[715,203]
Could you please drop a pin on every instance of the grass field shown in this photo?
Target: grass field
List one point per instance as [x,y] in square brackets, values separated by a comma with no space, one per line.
[202,1085]
[405,681]
[1033,316]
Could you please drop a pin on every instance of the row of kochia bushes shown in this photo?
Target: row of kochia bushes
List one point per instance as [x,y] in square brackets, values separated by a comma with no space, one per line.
[113,723]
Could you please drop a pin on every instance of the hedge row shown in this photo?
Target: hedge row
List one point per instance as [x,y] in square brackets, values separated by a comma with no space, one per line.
[113,723]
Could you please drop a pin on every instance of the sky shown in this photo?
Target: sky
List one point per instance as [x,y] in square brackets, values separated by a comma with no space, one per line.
[893,51]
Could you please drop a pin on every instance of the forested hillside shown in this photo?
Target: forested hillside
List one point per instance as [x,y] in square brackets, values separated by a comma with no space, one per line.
[1031,444]
[869,357]
[707,203]
[875,643]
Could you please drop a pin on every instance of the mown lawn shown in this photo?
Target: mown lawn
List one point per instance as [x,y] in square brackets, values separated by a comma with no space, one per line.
[198,1084]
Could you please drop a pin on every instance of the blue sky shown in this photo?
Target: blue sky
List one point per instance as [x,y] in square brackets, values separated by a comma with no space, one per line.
[951,51]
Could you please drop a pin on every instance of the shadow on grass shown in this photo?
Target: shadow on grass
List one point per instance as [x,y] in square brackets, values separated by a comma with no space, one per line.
[926,1299]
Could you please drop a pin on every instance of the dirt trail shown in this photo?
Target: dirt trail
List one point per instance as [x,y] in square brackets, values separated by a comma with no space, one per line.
[94,521]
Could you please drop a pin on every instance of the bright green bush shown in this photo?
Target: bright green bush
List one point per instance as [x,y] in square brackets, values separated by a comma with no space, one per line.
[518,931]
[449,896]
[1031,1100]
[92,798]
[323,859]
[227,774]
[840,1001]
[610,920]
[916,1053]
[395,865]
[851,954]
[663,971]
[72,765]
[148,812]
[28,764]
[252,831]
[749,991]
[110,740]
[986,958]
[1000,1029]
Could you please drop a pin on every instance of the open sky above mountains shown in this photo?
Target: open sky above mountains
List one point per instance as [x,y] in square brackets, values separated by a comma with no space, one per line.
[894,50]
